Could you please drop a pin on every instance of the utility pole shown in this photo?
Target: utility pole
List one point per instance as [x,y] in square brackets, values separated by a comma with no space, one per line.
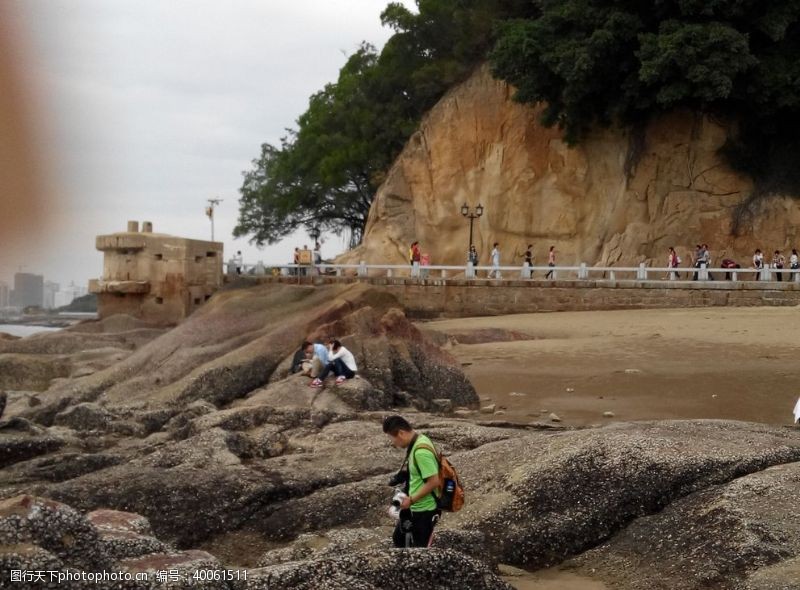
[210,212]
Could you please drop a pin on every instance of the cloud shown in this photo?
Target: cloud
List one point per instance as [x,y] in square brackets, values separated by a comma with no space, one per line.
[151,107]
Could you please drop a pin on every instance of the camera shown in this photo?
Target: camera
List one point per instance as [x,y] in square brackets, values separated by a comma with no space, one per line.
[399,479]
[397,499]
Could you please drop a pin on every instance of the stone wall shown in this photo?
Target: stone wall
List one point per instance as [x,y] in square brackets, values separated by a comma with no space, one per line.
[462,298]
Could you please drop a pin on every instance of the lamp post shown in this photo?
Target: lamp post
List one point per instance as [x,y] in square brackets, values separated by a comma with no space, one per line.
[315,233]
[472,216]
[210,213]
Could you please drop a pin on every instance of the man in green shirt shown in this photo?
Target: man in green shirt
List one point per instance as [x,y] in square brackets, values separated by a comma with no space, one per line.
[419,512]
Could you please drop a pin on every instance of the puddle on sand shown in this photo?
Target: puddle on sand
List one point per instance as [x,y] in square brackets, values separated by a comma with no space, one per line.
[553,579]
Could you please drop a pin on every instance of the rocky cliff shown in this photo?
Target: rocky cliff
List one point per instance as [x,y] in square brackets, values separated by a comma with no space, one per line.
[616,199]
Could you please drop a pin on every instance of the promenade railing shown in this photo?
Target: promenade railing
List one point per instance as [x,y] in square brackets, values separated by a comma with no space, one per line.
[581,272]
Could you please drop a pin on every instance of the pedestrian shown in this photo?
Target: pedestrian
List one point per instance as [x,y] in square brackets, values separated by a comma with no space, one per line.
[794,264]
[419,510]
[706,263]
[551,261]
[495,261]
[238,261]
[778,261]
[673,261]
[341,363]
[528,264]
[758,263]
[697,259]
[472,258]
[414,256]
[296,261]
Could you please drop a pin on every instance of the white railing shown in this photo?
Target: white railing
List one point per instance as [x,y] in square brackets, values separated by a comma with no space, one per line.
[535,273]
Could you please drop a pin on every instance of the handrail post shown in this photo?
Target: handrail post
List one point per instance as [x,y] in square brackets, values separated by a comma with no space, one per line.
[583,273]
[612,276]
[642,275]
[388,273]
[735,276]
[362,269]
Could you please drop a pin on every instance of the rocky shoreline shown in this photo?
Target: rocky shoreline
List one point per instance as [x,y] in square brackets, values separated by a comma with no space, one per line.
[192,449]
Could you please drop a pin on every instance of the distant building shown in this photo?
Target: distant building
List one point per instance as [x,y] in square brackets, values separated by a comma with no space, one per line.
[28,290]
[155,277]
[49,294]
[5,295]
[68,294]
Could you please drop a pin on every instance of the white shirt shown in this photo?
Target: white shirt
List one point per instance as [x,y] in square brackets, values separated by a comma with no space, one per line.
[496,257]
[347,358]
[793,260]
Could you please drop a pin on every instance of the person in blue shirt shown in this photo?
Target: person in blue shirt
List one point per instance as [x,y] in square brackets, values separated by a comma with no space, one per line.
[319,357]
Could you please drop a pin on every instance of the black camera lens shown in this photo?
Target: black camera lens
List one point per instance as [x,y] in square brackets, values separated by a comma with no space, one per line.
[398,478]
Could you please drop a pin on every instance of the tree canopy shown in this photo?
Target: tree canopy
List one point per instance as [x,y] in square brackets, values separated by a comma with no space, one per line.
[601,62]
[326,171]
[591,62]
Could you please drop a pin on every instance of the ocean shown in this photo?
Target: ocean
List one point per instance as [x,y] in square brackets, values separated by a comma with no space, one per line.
[22,330]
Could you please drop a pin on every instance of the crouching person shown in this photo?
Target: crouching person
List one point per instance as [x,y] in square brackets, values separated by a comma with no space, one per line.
[341,363]
[419,510]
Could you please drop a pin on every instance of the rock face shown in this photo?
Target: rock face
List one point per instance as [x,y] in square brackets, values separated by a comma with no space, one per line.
[478,146]
[564,493]
[744,534]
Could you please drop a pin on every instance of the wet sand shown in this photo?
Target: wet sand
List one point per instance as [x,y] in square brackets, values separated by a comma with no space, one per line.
[741,364]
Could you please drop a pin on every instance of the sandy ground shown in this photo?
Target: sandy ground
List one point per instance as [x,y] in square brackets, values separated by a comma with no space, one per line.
[741,364]
[731,363]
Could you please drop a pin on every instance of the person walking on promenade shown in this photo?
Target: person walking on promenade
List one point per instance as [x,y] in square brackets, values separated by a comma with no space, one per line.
[778,261]
[495,261]
[472,258]
[238,261]
[707,262]
[758,263]
[794,264]
[673,261]
[414,257]
[527,273]
[697,259]
[551,261]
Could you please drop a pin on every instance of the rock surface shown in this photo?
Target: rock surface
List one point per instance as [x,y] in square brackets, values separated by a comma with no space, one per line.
[478,146]
[743,534]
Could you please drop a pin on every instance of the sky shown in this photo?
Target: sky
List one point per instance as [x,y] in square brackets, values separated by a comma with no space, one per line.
[144,109]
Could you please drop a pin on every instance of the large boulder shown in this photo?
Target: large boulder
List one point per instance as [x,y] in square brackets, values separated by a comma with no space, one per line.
[384,569]
[543,498]
[723,536]
[56,528]
[32,372]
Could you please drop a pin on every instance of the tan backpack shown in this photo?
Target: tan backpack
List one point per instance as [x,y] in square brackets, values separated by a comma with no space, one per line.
[450,493]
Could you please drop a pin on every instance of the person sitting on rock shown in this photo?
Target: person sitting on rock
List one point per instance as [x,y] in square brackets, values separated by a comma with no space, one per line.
[419,511]
[318,353]
[301,362]
[341,362]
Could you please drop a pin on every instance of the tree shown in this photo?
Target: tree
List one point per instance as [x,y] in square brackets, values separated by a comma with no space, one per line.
[602,62]
[327,171]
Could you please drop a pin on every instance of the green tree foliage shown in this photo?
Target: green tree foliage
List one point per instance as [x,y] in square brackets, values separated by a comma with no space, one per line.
[597,62]
[327,170]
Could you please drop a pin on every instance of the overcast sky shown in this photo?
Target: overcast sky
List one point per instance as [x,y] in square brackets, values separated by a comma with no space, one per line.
[146,108]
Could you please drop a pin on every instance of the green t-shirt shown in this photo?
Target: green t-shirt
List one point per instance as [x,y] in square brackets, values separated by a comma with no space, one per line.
[421,465]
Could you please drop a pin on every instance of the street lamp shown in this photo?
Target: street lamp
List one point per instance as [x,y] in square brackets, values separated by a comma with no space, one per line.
[315,233]
[210,213]
[472,216]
